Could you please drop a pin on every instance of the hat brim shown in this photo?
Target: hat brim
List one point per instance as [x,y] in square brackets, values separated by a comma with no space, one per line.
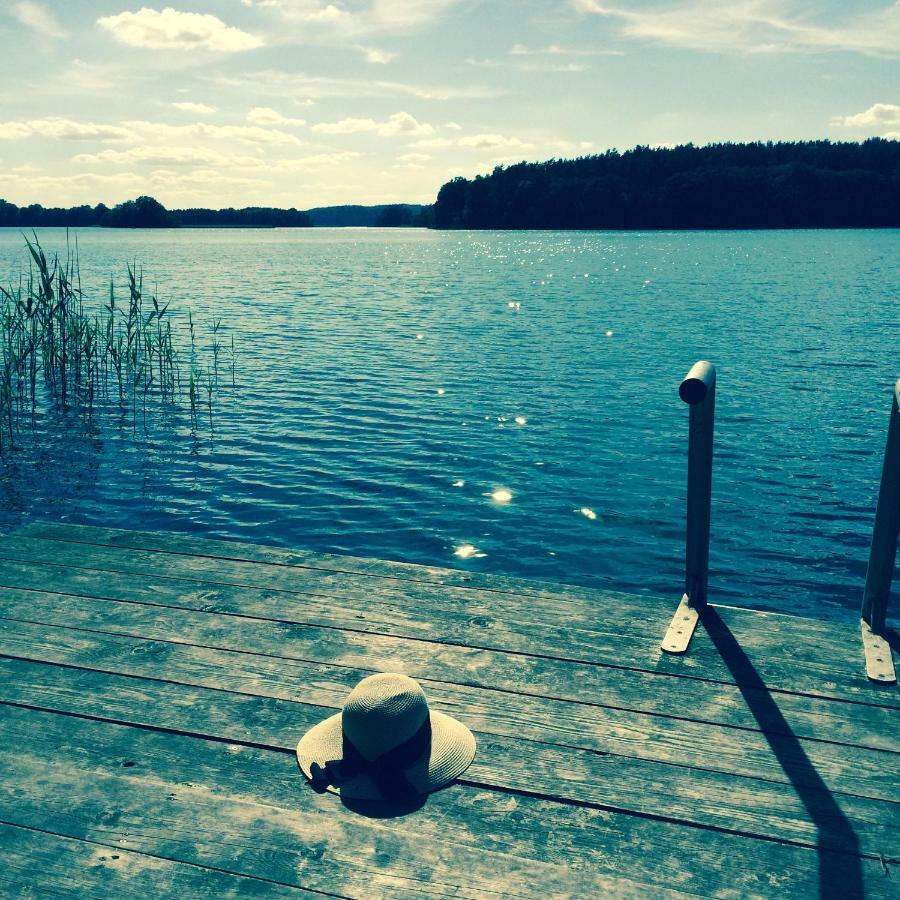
[452,750]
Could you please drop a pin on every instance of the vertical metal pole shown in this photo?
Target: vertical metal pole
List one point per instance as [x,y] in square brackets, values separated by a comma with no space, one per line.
[882,556]
[699,391]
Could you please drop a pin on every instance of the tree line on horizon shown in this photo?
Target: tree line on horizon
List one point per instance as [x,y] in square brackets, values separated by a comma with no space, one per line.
[804,184]
[146,212]
[801,184]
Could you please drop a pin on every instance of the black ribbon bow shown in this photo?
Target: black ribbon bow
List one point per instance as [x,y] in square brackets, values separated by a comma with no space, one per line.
[386,771]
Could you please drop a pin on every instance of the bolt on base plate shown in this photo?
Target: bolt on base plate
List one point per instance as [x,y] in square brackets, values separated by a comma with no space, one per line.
[682,628]
[879,662]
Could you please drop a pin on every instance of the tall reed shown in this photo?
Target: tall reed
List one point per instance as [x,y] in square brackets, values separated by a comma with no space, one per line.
[57,353]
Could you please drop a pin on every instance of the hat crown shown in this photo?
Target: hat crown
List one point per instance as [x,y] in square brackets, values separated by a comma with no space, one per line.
[382,712]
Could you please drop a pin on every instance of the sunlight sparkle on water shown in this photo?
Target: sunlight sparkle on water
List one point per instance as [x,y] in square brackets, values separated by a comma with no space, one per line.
[467,551]
[501,495]
[459,483]
[521,420]
[441,391]
[609,332]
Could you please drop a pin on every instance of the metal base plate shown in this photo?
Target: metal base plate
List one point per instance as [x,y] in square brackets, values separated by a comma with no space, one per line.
[879,662]
[682,628]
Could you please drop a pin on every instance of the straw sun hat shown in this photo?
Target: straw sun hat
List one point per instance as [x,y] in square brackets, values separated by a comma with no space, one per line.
[385,744]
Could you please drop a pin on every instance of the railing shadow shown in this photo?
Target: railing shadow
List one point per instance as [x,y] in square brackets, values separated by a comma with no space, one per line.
[840,866]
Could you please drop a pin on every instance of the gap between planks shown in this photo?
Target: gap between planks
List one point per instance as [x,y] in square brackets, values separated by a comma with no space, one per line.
[254,773]
[726,788]
[165,631]
[862,693]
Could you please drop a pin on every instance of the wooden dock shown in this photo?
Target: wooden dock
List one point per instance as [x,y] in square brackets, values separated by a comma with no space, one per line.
[153,688]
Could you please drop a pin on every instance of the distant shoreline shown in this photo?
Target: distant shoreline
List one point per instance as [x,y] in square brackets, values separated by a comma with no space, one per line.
[718,187]
[147,212]
[646,230]
[721,187]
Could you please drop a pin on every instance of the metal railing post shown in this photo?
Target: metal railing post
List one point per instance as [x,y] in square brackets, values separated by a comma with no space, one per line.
[698,390]
[882,556]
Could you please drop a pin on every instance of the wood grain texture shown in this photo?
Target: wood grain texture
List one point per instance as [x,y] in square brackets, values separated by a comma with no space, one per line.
[212,803]
[620,732]
[804,811]
[598,685]
[787,653]
[152,689]
[207,802]
[40,864]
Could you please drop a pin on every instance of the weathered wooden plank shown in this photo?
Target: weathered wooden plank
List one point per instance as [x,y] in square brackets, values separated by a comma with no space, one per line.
[606,686]
[211,803]
[40,864]
[203,802]
[790,654]
[572,599]
[805,811]
[622,732]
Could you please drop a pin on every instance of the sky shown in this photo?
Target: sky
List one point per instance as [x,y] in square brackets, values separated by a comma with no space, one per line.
[322,102]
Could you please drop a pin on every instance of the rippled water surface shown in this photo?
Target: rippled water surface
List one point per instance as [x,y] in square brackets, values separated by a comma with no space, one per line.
[508,402]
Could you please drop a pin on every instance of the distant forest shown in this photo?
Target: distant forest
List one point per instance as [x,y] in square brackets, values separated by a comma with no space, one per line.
[814,184]
[397,215]
[807,184]
[146,212]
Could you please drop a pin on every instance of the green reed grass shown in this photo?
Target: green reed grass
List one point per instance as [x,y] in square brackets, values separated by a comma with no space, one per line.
[56,354]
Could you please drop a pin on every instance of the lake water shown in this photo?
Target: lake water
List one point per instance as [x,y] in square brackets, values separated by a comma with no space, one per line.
[390,383]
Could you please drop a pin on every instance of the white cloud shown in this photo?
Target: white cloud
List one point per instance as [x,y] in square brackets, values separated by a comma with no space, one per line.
[541,59]
[201,109]
[37,17]
[329,13]
[489,141]
[554,67]
[377,57]
[754,26]
[570,146]
[314,162]
[143,132]
[878,115]
[407,14]
[480,63]
[557,50]
[346,126]
[414,158]
[171,29]
[15,131]
[401,123]
[367,17]
[305,11]
[277,82]
[266,116]
[436,143]
[177,154]
[63,129]
[157,132]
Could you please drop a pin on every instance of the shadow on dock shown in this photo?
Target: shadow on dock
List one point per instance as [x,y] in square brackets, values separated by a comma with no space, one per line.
[840,867]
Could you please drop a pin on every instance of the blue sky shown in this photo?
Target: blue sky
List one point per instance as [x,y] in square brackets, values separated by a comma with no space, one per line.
[318,102]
